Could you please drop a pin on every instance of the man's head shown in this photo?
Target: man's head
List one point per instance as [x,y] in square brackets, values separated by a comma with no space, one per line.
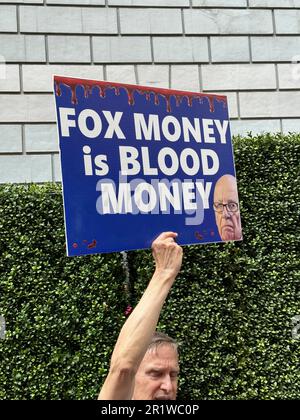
[157,375]
[226,206]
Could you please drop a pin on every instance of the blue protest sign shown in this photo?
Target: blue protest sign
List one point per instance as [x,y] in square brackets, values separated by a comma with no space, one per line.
[137,161]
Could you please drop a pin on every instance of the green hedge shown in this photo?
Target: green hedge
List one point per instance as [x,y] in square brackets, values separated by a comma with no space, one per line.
[230,308]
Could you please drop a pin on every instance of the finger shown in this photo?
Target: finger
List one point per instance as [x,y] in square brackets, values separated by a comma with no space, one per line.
[164,243]
[169,240]
[166,235]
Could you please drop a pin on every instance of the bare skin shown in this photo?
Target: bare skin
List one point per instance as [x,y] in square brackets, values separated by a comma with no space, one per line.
[157,376]
[229,223]
[136,333]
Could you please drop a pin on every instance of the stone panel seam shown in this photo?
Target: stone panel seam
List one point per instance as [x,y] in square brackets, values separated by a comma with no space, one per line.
[200,77]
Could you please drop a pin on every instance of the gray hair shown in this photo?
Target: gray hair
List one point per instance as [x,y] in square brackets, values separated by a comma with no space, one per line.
[159,339]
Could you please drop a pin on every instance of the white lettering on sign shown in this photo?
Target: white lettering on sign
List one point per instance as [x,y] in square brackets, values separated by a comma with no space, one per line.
[151,127]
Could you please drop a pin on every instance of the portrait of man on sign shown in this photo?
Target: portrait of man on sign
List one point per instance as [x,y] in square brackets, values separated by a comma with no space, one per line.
[226,207]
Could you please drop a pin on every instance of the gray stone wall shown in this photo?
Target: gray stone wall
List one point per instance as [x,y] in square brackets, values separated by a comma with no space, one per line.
[246,49]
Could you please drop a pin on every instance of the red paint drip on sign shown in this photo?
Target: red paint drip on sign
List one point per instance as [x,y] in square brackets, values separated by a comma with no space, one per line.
[92,244]
[198,236]
[88,85]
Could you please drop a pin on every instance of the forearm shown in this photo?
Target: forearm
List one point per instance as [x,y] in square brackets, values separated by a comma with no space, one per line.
[139,328]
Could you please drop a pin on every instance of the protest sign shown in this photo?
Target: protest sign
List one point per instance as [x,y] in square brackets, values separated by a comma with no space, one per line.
[137,161]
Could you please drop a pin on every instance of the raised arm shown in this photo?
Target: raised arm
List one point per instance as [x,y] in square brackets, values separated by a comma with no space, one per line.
[139,328]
